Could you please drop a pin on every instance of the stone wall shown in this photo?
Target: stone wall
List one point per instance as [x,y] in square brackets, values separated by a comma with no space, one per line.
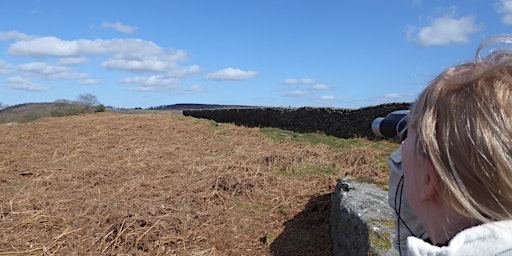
[342,123]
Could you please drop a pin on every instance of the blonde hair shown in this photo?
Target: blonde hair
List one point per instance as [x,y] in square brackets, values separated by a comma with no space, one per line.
[464,124]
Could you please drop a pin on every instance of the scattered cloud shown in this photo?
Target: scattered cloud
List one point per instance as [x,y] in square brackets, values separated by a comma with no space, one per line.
[24,84]
[122,49]
[306,81]
[10,35]
[143,65]
[197,88]
[504,7]
[144,89]
[327,98]
[43,71]
[41,68]
[321,87]
[301,87]
[68,76]
[231,74]
[184,71]
[89,81]
[128,55]
[151,81]
[119,27]
[55,47]
[73,61]
[6,68]
[292,81]
[50,72]
[298,93]
[444,30]
[57,59]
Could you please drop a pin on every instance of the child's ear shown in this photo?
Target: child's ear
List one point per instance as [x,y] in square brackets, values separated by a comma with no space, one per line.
[431,183]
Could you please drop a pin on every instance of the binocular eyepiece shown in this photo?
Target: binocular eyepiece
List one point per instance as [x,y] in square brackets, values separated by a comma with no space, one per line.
[392,125]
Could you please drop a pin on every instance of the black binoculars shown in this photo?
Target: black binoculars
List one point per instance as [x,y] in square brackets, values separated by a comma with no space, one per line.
[392,125]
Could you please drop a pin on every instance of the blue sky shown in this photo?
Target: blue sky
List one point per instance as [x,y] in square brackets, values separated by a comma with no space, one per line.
[279,53]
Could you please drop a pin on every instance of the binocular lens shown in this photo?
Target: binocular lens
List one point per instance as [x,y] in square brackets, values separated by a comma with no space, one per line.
[393,125]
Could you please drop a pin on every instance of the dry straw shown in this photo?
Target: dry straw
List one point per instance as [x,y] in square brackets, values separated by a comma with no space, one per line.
[164,184]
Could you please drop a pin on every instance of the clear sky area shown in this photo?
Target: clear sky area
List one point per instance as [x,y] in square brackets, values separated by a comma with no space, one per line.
[277,53]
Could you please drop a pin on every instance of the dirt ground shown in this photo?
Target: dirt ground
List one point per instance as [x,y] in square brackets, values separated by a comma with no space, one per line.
[165,184]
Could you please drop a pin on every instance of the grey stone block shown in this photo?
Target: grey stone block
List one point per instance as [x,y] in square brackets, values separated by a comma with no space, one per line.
[361,220]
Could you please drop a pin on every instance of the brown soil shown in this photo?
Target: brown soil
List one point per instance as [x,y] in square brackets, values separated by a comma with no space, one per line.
[165,184]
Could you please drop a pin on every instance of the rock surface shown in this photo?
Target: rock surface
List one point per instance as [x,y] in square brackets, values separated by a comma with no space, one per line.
[361,219]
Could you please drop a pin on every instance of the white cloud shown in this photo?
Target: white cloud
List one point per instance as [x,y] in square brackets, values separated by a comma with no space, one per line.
[24,84]
[122,48]
[72,61]
[89,81]
[301,87]
[327,98]
[119,27]
[137,65]
[184,71]
[196,88]
[505,7]
[290,81]
[6,68]
[231,74]
[50,72]
[132,55]
[444,30]
[41,68]
[68,76]
[151,81]
[321,87]
[307,81]
[298,93]
[9,35]
[55,47]
[144,89]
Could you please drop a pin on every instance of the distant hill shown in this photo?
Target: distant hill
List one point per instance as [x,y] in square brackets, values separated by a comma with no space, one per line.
[27,112]
[193,106]
[26,107]
[41,106]
[31,111]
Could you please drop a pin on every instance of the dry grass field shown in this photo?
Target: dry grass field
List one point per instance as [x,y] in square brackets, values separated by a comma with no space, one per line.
[165,184]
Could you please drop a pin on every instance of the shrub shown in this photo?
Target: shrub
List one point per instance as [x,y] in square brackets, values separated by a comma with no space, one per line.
[100,108]
[67,109]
